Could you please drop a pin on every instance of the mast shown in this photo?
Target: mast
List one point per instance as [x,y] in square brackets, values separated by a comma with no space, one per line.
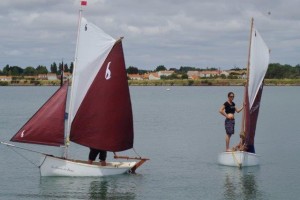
[62,73]
[243,127]
[67,135]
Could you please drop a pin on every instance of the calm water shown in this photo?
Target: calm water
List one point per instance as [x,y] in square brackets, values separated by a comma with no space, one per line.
[182,133]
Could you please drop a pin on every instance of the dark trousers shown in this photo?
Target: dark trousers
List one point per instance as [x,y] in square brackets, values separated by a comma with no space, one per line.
[94,152]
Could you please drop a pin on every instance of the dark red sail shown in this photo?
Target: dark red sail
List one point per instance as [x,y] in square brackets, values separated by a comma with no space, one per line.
[46,126]
[251,120]
[104,118]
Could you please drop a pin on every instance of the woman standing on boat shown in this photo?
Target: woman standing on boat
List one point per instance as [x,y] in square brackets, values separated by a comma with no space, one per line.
[228,109]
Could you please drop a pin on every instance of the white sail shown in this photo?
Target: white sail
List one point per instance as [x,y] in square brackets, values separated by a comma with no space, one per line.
[259,61]
[91,41]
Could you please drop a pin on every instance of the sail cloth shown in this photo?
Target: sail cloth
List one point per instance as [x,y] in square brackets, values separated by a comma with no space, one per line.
[259,61]
[252,115]
[101,111]
[46,126]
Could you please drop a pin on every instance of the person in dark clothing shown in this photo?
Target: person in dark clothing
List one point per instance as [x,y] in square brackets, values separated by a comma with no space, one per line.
[93,154]
[228,109]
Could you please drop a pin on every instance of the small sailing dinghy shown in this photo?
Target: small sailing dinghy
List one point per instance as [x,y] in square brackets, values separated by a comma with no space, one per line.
[258,60]
[100,112]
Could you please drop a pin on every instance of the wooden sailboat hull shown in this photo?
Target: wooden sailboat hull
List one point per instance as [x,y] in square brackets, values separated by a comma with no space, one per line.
[55,166]
[238,159]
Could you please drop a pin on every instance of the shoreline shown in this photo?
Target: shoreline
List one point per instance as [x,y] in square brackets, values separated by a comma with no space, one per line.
[175,82]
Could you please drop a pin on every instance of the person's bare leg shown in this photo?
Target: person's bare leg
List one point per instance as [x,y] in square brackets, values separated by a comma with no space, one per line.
[227,139]
[103,163]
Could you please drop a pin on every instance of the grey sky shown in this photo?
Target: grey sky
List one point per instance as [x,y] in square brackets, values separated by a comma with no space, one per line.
[174,33]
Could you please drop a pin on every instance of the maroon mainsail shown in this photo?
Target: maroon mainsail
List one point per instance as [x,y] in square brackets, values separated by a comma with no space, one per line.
[46,126]
[104,118]
[251,115]
[258,61]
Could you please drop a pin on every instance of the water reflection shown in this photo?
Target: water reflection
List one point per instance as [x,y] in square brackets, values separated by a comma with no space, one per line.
[111,188]
[116,187]
[241,183]
[98,190]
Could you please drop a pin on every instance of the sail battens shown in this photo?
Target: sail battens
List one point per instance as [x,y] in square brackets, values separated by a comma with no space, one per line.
[46,126]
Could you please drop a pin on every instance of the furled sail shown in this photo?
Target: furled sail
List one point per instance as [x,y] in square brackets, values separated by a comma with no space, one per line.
[258,65]
[46,126]
[101,108]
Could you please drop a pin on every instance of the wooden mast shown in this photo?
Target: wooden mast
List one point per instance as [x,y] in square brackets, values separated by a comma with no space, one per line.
[67,135]
[243,131]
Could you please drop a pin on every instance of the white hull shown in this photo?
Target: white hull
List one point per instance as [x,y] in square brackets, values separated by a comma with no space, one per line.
[238,159]
[54,166]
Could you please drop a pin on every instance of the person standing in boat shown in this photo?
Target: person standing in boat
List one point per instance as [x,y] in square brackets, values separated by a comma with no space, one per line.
[93,155]
[228,109]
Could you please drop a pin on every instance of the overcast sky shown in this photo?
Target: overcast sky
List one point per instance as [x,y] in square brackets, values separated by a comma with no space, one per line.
[173,33]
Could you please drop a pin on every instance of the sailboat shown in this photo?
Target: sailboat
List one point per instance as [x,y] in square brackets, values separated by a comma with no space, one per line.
[100,112]
[258,60]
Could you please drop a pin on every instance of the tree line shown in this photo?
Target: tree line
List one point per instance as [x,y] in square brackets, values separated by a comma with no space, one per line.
[40,69]
[275,70]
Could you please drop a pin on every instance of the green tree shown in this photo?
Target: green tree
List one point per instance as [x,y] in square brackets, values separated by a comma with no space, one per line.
[160,68]
[30,71]
[132,70]
[66,68]
[42,69]
[16,71]
[6,70]
[60,68]
[185,69]
[184,76]
[53,68]
[71,67]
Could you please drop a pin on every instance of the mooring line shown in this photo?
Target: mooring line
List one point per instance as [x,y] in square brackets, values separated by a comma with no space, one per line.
[239,164]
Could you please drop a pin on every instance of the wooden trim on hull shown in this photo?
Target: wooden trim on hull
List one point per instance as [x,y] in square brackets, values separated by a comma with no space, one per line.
[137,165]
[56,166]
[238,159]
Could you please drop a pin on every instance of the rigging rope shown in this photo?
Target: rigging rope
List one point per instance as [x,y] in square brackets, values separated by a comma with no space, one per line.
[136,152]
[11,146]
[23,156]
[236,160]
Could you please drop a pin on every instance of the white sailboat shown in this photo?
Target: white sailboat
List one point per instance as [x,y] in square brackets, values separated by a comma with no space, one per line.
[100,112]
[258,61]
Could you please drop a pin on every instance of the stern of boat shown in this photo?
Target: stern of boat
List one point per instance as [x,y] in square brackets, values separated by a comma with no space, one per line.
[238,159]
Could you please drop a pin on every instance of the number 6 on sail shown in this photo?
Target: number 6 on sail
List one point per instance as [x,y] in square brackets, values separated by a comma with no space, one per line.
[100,112]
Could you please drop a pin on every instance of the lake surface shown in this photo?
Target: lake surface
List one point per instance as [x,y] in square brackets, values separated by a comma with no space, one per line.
[181,131]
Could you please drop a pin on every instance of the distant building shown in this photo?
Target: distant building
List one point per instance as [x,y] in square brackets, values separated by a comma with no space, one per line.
[146,76]
[135,77]
[238,73]
[193,75]
[225,73]
[51,76]
[165,73]
[67,75]
[5,78]
[42,76]
[154,76]
[209,74]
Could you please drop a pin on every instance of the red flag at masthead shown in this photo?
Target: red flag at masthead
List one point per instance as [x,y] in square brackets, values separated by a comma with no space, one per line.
[83,3]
